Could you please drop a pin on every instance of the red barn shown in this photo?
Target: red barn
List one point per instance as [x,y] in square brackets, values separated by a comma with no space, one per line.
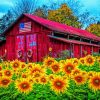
[30,37]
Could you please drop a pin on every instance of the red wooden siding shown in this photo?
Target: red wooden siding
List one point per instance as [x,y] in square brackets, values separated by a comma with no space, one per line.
[10,46]
[58,46]
[77,50]
[95,49]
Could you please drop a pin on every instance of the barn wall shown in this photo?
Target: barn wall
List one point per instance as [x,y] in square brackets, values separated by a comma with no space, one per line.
[2,49]
[77,50]
[43,45]
[95,49]
[10,46]
[58,46]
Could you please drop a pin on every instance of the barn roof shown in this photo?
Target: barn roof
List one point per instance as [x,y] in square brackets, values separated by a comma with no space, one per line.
[62,27]
[55,26]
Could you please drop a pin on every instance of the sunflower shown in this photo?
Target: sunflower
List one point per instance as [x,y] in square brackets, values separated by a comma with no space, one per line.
[37,80]
[62,61]
[76,71]
[23,65]
[68,68]
[84,73]
[31,79]
[4,82]
[24,75]
[8,73]
[82,61]
[30,65]
[55,67]
[36,75]
[51,77]
[90,60]
[24,86]
[79,79]
[16,65]
[59,85]
[36,68]
[43,80]
[75,61]
[90,74]
[94,82]
[48,61]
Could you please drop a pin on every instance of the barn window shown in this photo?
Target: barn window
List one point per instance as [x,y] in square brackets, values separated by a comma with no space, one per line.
[60,35]
[85,40]
[95,42]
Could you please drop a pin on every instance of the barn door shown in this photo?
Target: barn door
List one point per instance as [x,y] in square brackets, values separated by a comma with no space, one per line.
[31,47]
[26,47]
[20,47]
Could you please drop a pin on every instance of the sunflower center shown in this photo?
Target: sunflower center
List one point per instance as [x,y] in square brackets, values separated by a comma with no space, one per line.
[25,85]
[55,67]
[23,76]
[70,68]
[5,82]
[58,83]
[15,65]
[37,75]
[30,66]
[90,60]
[50,62]
[97,81]
[82,61]
[78,79]
[8,73]
[75,62]
[43,80]
[23,66]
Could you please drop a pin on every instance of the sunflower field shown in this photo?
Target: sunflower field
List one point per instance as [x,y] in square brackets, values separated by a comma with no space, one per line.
[52,79]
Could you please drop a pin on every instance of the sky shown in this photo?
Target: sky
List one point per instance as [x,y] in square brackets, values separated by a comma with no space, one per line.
[93,6]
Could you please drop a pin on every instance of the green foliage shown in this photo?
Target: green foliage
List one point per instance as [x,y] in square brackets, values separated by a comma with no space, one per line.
[96,54]
[95,67]
[63,54]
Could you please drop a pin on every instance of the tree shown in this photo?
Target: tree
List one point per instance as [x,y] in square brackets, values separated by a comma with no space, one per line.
[23,6]
[94,28]
[6,21]
[64,15]
[41,11]
[77,7]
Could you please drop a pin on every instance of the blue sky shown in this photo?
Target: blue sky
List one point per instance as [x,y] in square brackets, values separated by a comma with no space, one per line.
[93,6]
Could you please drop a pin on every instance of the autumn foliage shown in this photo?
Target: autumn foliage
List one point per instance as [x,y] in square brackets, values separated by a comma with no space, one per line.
[94,28]
[64,15]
